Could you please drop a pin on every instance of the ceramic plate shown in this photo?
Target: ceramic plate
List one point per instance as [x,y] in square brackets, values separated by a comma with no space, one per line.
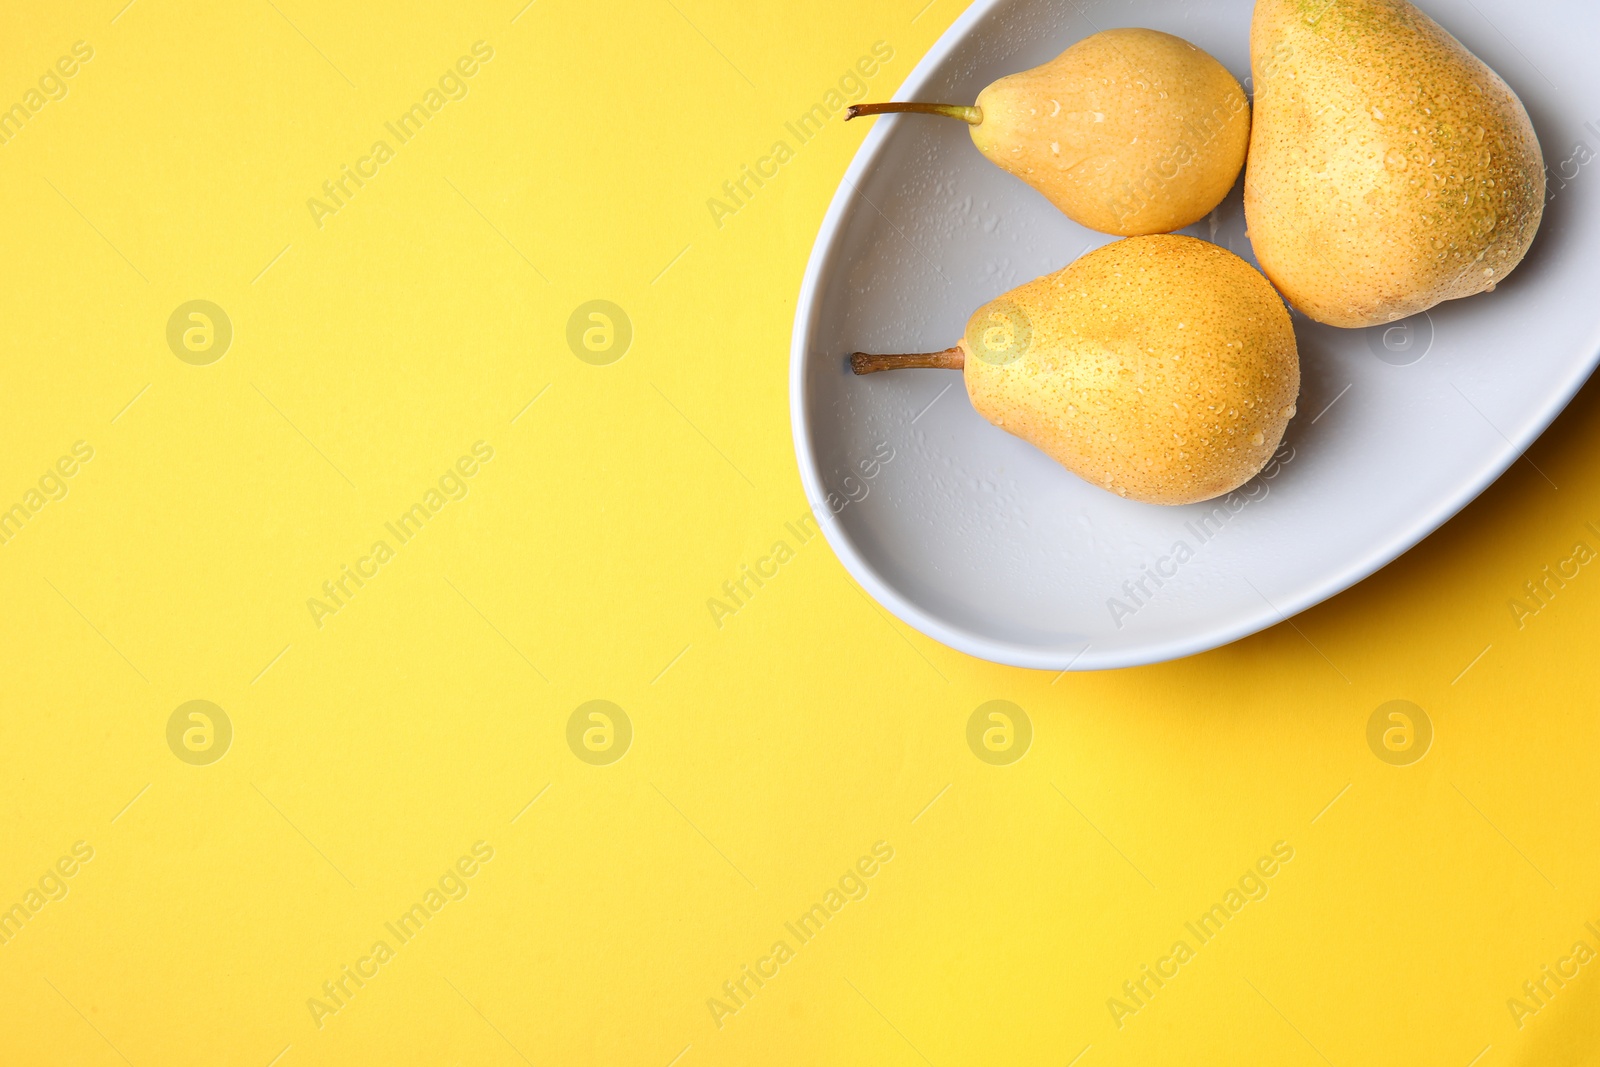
[983,543]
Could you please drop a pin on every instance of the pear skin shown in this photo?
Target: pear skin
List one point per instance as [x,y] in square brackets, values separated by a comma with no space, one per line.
[1160,368]
[1390,169]
[1128,132]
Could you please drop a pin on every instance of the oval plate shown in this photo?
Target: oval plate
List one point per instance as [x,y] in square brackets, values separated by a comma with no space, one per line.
[983,543]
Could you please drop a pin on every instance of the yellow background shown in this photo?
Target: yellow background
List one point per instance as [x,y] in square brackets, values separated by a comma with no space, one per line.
[768,755]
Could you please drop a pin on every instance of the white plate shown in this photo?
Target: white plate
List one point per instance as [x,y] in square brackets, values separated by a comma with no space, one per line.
[983,543]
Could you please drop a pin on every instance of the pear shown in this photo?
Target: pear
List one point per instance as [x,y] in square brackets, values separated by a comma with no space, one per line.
[1390,169]
[1161,368]
[1128,132]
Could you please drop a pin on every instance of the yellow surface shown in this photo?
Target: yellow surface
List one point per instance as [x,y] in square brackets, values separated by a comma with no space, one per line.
[372,754]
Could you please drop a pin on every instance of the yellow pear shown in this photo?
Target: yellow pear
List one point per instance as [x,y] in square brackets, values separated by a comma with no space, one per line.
[1160,368]
[1390,169]
[1127,132]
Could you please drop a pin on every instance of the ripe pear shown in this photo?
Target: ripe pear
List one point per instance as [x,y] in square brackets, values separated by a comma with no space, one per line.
[1160,368]
[1390,169]
[1128,132]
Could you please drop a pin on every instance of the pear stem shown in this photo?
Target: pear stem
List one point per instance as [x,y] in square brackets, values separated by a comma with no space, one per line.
[949,359]
[970,115]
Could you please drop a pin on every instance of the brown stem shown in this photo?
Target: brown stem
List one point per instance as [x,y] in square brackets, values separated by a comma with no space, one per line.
[970,115]
[949,359]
